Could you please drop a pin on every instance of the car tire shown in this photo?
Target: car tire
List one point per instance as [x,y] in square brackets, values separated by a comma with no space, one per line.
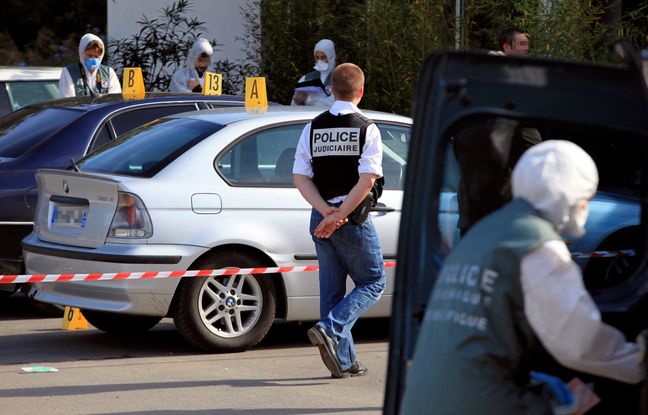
[226,313]
[602,274]
[45,309]
[120,324]
[6,294]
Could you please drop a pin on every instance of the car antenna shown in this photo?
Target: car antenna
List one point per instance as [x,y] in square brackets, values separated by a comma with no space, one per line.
[75,166]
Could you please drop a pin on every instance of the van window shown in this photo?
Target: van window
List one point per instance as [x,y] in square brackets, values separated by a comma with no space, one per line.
[486,150]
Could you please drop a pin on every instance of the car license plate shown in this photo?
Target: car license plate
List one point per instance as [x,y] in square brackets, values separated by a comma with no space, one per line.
[70,216]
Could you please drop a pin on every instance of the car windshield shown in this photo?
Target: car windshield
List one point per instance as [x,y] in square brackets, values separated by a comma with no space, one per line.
[24,93]
[22,130]
[148,149]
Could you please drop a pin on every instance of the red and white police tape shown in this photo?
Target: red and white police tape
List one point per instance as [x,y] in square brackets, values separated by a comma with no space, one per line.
[29,278]
[603,254]
[19,279]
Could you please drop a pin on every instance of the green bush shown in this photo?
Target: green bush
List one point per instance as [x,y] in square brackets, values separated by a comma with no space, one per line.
[389,39]
[162,45]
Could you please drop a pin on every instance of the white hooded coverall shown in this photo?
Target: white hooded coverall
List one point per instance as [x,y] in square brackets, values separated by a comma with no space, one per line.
[181,77]
[554,176]
[66,83]
[327,47]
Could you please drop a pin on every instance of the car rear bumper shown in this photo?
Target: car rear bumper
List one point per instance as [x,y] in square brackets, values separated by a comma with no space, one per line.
[139,296]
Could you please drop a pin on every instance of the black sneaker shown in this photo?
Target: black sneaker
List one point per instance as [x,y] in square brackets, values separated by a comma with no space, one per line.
[357,369]
[327,348]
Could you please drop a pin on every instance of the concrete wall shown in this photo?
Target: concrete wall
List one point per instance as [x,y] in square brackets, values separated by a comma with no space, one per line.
[223,21]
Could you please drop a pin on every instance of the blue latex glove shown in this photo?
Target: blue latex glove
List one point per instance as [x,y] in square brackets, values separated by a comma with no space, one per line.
[556,387]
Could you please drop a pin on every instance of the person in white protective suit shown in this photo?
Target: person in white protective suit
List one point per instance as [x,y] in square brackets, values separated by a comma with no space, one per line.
[314,88]
[189,77]
[509,283]
[558,178]
[88,76]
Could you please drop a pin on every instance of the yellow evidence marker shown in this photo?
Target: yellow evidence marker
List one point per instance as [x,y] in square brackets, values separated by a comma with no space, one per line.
[73,319]
[255,93]
[133,84]
[213,84]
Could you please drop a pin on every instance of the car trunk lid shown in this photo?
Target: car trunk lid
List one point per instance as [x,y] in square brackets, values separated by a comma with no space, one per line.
[75,208]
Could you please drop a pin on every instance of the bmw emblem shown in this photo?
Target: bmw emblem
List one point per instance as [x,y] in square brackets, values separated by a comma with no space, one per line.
[66,187]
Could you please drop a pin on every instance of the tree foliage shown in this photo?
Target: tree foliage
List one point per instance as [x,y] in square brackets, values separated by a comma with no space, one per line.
[47,32]
[389,39]
[161,45]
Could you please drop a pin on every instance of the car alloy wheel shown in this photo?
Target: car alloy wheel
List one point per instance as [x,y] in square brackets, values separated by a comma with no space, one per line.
[225,313]
[230,306]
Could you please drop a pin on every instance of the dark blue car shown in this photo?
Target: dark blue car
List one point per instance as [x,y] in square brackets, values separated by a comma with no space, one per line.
[57,133]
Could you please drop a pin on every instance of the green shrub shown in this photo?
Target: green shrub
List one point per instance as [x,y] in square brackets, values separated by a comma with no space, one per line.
[389,39]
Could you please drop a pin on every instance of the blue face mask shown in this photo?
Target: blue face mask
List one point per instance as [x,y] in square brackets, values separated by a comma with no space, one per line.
[92,63]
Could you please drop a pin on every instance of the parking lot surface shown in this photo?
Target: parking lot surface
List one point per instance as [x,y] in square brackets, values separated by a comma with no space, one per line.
[158,373]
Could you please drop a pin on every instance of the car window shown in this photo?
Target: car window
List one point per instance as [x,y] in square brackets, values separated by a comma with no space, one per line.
[487,150]
[22,130]
[267,157]
[262,158]
[102,138]
[133,118]
[220,104]
[396,139]
[149,148]
[5,105]
[29,92]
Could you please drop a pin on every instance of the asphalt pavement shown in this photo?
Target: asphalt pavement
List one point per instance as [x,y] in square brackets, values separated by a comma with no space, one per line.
[158,373]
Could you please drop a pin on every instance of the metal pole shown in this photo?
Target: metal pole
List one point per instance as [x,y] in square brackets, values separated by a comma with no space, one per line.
[458,14]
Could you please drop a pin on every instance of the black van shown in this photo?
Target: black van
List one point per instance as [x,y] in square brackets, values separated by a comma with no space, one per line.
[604,109]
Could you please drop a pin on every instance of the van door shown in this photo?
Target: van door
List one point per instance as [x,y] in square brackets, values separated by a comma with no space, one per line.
[601,108]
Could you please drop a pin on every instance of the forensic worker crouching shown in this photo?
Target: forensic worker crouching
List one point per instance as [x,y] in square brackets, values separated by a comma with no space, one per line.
[338,170]
[508,284]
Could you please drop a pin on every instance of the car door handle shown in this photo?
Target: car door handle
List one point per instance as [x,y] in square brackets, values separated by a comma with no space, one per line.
[381,207]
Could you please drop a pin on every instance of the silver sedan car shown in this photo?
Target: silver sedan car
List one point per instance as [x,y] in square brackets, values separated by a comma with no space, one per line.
[205,190]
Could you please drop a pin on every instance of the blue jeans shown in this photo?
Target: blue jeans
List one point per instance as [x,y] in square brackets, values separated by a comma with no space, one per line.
[354,251]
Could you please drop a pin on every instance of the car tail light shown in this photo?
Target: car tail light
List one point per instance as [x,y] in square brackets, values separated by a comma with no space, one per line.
[131,219]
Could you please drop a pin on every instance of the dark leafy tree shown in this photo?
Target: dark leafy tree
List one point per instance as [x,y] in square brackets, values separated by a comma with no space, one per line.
[389,39]
[161,45]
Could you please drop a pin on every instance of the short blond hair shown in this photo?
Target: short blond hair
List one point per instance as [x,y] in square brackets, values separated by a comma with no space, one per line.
[347,81]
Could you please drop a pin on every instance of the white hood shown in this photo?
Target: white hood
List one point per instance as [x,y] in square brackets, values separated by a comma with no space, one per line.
[554,176]
[87,38]
[201,45]
[327,46]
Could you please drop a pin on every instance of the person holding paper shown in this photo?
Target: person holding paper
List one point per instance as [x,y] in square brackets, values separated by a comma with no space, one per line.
[314,88]
[88,76]
[189,78]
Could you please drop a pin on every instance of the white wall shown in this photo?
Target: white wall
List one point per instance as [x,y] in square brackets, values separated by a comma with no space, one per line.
[223,21]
